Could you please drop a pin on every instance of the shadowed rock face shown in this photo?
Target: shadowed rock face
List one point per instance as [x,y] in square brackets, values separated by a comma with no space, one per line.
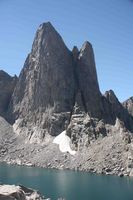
[128,104]
[7,84]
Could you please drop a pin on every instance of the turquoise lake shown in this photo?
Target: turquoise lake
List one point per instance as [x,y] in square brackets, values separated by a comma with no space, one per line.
[69,184]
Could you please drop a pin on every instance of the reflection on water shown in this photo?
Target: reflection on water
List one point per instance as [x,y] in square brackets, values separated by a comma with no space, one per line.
[69,184]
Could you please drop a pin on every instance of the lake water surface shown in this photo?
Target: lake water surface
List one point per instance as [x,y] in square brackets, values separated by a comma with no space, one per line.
[69,184]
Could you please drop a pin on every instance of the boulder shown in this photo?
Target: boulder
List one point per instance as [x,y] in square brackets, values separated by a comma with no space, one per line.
[12,192]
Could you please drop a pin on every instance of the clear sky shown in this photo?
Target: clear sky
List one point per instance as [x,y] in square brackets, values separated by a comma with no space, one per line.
[107,24]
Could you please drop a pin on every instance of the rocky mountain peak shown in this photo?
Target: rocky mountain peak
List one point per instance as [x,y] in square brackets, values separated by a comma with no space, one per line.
[47,79]
[87,62]
[46,25]
[46,28]
[75,53]
[86,47]
[128,104]
[58,90]
[55,83]
[47,40]
[87,80]
[110,95]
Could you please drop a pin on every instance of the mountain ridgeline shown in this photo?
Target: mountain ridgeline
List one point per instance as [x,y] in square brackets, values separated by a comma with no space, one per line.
[56,80]
[58,90]
[52,75]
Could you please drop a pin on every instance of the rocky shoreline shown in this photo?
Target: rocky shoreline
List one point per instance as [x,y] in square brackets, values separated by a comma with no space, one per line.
[20,192]
[12,192]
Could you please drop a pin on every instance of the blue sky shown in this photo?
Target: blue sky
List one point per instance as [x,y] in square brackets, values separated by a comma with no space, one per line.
[107,24]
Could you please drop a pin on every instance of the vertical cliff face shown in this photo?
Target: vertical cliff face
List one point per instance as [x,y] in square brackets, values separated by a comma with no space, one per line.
[55,83]
[47,76]
[53,80]
[87,81]
[7,84]
[58,90]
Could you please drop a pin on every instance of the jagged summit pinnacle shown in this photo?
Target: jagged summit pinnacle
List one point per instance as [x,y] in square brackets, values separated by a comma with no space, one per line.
[111,95]
[47,39]
[47,28]
[86,49]
[75,53]
[86,44]
[46,25]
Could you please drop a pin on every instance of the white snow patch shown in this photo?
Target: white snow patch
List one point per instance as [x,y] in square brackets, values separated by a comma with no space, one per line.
[64,143]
